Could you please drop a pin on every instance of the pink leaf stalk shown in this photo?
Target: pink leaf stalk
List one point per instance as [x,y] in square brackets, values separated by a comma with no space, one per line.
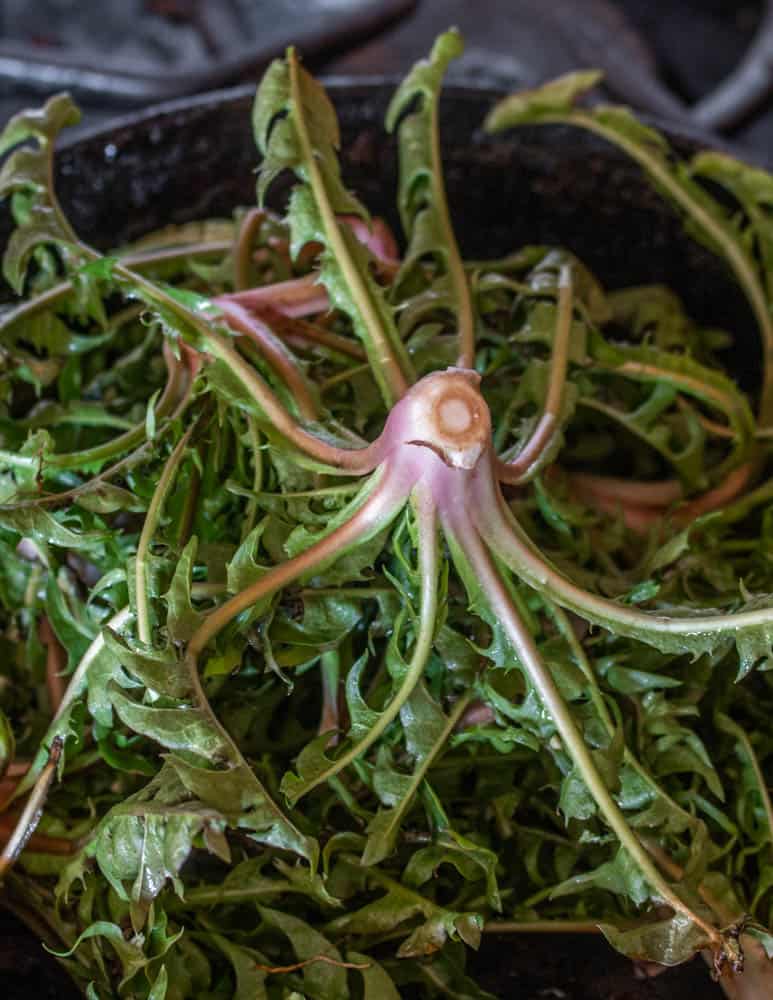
[436,449]
[279,358]
[300,297]
[437,441]
[525,464]
[643,505]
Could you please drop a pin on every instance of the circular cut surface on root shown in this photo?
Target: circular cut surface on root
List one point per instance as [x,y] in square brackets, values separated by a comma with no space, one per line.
[446,412]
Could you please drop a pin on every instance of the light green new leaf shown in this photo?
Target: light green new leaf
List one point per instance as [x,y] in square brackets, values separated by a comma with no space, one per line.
[26,175]
[160,984]
[296,128]
[413,111]
[130,953]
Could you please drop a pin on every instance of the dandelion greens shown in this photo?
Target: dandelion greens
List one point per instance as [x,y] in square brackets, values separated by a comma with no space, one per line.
[356,604]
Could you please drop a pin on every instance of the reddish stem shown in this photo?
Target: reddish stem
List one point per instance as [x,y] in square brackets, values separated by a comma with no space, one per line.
[715,498]
[477,713]
[379,239]
[38,842]
[660,493]
[249,228]
[304,296]
[356,461]
[18,768]
[56,661]
[296,297]
[330,717]
[23,826]
[301,333]
[189,362]
[643,505]
[279,359]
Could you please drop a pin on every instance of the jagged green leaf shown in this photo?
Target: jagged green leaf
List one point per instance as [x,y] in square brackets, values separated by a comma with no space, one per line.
[296,128]
[413,113]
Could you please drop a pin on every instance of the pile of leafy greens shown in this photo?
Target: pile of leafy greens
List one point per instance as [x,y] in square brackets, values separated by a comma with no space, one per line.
[356,604]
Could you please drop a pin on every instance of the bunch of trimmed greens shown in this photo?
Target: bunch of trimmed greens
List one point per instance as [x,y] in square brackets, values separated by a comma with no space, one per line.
[327,644]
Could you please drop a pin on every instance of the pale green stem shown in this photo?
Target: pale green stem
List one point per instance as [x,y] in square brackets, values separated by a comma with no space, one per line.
[396,814]
[428,570]
[496,524]
[426,119]
[742,737]
[344,376]
[387,367]
[342,490]
[175,390]
[381,506]
[77,683]
[762,783]
[641,371]
[149,526]
[520,468]
[32,811]
[578,653]
[465,317]
[540,677]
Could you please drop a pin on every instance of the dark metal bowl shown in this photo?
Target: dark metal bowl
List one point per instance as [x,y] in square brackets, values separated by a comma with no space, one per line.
[196,158]
[556,185]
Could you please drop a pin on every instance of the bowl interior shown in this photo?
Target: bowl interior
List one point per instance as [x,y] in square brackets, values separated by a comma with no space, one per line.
[549,184]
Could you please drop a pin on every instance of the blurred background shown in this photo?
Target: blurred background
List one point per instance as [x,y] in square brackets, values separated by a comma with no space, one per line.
[691,61]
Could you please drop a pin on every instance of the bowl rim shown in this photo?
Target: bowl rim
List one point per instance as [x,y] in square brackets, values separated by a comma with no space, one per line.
[343,85]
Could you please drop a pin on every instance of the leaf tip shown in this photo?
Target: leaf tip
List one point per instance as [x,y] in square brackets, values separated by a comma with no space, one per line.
[551,99]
